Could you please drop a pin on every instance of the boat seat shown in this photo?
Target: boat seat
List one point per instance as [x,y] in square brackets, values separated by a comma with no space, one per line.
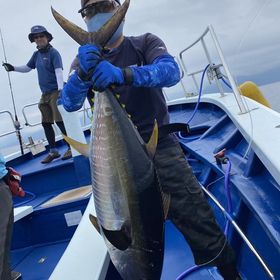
[21,212]
[69,196]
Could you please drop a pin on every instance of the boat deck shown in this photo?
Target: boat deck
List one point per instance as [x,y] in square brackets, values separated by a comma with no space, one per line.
[42,233]
[255,197]
[38,262]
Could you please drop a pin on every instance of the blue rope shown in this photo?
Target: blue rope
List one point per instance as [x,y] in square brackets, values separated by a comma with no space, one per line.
[200,93]
[226,83]
[198,100]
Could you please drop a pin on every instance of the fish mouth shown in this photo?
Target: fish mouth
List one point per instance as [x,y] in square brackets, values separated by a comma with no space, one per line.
[100,37]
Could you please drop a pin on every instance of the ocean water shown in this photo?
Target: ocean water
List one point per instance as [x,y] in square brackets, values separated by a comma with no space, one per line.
[10,144]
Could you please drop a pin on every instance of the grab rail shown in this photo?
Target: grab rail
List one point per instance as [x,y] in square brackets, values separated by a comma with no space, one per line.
[13,121]
[240,232]
[210,29]
[85,111]
[25,117]
[182,75]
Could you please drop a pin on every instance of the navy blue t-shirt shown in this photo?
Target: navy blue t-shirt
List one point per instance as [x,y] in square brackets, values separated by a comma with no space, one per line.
[143,104]
[46,61]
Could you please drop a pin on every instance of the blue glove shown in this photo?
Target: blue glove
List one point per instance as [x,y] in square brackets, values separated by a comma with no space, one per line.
[89,56]
[74,93]
[106,74]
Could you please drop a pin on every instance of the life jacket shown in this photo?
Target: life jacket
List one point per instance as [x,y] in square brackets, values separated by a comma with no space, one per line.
[13,181]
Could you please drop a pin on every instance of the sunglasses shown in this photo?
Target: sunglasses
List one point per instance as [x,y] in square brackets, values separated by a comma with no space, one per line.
[96,8]
[38,36]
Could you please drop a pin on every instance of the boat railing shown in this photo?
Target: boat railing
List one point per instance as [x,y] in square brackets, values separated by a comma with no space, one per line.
[87,113]
[85,121]
[13,123]
[85,110]
[182,75]
[28,123]
[214,68]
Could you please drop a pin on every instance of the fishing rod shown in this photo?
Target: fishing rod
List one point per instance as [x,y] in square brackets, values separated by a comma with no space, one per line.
[16,121]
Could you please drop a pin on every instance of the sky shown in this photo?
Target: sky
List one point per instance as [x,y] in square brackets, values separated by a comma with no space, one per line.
[248,31]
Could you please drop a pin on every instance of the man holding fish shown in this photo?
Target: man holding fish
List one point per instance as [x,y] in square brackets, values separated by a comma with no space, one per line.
[137,68]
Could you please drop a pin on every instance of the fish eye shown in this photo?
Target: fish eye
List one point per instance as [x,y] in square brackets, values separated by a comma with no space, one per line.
[107,111]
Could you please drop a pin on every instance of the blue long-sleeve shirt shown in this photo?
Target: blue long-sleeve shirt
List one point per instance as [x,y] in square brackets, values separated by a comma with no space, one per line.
[163,72]
[153,68]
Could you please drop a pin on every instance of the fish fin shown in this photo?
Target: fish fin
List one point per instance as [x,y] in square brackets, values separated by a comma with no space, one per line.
[102,36]
[166,203]
[120,239]
[94,222]
[78,146]
[151,146]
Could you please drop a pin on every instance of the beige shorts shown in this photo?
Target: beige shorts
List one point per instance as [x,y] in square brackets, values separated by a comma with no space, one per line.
[48,107]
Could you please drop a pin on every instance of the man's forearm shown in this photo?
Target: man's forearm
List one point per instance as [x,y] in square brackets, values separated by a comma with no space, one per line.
[22,69]
[163,72]
[59,78]
[74,93]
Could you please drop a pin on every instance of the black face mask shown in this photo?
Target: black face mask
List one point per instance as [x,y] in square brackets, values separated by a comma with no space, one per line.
[45,49]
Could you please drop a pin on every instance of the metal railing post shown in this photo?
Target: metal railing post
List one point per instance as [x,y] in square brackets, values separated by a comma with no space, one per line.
[211,64]
[13,121]
[182,71]
[25,117]
[232,82]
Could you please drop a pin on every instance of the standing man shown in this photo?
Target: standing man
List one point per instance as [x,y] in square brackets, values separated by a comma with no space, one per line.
[139,67]
[48,63]
[6,225]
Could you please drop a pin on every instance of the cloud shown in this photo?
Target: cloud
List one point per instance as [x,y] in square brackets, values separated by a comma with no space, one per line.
[248,32]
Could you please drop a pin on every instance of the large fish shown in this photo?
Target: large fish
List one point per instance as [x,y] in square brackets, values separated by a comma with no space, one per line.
[127,196]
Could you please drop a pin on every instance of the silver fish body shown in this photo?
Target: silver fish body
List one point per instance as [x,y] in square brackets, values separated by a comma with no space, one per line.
[126,193]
